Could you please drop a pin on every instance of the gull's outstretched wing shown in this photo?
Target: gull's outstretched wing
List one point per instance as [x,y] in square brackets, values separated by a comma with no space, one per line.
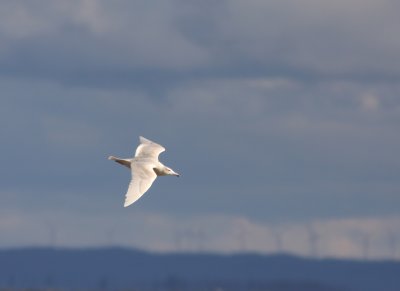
[143,176]
[148,149]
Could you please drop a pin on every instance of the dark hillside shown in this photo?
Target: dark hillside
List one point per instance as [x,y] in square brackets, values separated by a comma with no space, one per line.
[116,268]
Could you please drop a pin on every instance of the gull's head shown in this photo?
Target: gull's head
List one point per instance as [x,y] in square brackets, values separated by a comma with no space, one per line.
[170,172]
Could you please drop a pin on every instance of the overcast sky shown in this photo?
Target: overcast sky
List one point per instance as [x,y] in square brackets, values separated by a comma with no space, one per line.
[282,117]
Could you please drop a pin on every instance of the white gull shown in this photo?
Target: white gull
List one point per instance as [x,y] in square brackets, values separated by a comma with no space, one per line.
[145,167]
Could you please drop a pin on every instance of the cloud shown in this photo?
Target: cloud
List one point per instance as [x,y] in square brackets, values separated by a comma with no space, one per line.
[362,238]
[68,40]
[273,144]
[369,102]
[289,111]
[306,37]
[93,41]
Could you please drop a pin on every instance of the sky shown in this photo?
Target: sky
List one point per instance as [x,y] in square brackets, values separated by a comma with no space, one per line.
[282,117]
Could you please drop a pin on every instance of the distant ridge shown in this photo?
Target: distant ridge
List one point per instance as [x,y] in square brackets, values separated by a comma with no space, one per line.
[119,268]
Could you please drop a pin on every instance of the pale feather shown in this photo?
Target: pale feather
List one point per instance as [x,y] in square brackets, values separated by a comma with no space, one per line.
[148,149]
[143,177]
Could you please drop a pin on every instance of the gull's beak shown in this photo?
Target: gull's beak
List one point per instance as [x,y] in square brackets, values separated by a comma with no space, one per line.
[176,174]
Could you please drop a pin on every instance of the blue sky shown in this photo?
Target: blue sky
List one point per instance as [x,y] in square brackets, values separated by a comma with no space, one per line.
[282,117]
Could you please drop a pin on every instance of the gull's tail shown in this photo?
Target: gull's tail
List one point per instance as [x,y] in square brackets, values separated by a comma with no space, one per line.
[124,162]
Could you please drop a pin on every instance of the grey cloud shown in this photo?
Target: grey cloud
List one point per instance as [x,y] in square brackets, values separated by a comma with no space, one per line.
[102,43]
[336,40]
[254,112]
[221,233]
[263,141]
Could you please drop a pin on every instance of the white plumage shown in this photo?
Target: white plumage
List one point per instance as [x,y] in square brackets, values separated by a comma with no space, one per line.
[145,167]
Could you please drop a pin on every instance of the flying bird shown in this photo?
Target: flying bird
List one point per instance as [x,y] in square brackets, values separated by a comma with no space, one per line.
[145,167]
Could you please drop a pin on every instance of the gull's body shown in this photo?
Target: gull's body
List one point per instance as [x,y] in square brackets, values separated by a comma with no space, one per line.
[145,167]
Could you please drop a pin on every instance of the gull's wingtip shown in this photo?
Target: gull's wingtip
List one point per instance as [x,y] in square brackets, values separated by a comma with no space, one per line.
[127,203]
[111,158]
[144,140]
